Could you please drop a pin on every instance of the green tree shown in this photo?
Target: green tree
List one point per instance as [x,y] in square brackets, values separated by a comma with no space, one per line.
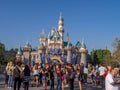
[108,59]
[116,53]
[11,58]
[98,56]
[2,50]
[11,55]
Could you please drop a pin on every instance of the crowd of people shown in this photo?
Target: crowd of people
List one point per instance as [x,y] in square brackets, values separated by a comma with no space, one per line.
[62,74]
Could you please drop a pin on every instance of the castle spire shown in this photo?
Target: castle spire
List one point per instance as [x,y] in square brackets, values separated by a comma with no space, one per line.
[43,38]
[43,34]
[61,26]
[83,44]
[61,18]
[67,37]
[19,50]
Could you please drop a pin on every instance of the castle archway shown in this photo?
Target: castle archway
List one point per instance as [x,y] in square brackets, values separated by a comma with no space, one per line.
[55,58]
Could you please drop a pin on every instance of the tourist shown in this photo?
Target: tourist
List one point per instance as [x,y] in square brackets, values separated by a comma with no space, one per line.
[85,74]
[63,76]
[71,77]
[10,74]
[48,73]
[44,77]
[96,78]
[59,77]
[93,72]
[35,74]
[51,78]
[102,71]
[97,68]
[82,67]
[40,73]
[110,81]
[16,76]
[6,73]
[80,76]
[108,70]
[26,78]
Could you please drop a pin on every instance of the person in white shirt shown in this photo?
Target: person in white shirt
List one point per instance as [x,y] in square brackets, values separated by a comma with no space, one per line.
[85,74]
[110,82]
[102,71]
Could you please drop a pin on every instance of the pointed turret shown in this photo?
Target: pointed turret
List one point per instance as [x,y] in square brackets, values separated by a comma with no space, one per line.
[69,47]
[67,37]
[43,34]
[43,38]
[19,53]
[61,18]
[61,26]
[83,52]
[27,47]
[78,44]
[40,47]
[83,44]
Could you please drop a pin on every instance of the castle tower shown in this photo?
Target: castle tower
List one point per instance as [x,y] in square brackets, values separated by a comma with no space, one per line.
[49,35]
[27,49]
[40,51]
[61,26]
[83,52]
[19,54]
[40,48]
[67,37]
[78,46]
[69,53]
[43,38]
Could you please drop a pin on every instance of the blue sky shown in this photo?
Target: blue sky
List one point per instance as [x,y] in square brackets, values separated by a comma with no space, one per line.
[97,21]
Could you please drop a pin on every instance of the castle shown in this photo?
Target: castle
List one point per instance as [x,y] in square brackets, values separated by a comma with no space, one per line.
[53,48]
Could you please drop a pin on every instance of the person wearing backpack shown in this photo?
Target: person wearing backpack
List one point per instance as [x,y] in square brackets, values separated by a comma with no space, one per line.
[16,76]
[26,78]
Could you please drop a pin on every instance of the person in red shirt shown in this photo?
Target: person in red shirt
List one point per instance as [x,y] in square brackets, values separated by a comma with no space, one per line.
[59,77]
[107,71]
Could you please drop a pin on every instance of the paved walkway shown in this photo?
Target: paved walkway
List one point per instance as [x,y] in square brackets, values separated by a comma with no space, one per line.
[87,86]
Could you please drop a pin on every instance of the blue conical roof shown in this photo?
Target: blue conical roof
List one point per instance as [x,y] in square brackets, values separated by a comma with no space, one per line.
[78,44]
[61,18]
[19,50]
[43,34]
[69,44]
[83,44]
[35,49]
[54,34]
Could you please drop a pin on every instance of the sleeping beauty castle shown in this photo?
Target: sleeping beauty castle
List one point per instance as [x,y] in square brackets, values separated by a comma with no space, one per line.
[54,48]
